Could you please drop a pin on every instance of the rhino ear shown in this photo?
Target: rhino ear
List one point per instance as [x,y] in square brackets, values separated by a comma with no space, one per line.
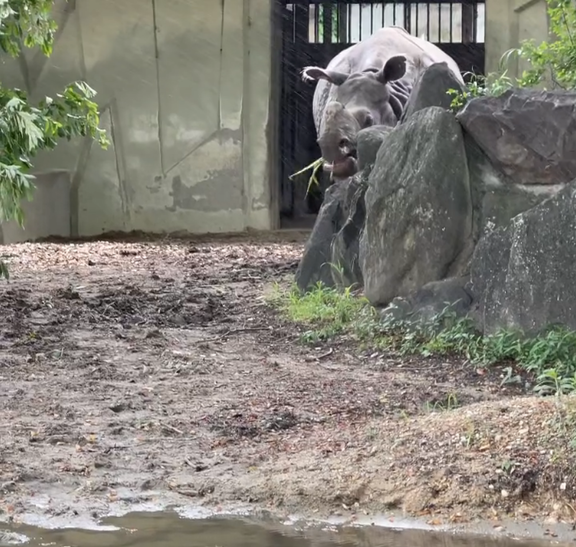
[394,69]
[314,73]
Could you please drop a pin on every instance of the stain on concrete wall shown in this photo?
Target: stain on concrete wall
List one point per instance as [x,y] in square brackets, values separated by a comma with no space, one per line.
[184,89]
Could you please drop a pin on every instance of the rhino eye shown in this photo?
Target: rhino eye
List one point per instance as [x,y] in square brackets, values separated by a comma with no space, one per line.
[369,121]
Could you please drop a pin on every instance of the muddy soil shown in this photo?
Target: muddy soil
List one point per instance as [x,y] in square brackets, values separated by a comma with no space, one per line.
[137,370]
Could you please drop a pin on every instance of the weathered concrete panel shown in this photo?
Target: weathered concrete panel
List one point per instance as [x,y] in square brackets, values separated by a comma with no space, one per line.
[261,212]
[98,194]
[189,42]
[507,23]
[41,220]
[184,89]
[120,58]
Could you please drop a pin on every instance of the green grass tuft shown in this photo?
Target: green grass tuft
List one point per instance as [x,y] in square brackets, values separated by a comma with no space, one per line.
[327,311]
[549,358]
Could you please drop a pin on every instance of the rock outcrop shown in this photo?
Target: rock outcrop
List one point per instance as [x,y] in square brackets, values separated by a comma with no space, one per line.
[522,275]
[331,253]
[345,249]
[418,207]
[368,143]
[431,89]
[528,135]
[478,216]
[429,302]
[316,264]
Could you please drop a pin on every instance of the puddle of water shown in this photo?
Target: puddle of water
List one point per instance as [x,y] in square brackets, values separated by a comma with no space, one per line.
[171,530]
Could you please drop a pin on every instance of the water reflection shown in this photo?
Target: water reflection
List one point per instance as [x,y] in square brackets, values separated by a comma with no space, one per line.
[169,530]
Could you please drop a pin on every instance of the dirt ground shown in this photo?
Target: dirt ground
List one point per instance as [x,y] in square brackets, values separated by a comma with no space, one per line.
[135,370]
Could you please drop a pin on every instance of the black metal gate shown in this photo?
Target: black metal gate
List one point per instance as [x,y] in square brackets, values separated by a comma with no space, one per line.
[314,31]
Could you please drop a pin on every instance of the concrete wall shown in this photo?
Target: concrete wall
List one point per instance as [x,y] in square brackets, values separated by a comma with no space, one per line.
[508,22]
[185,91]
[187,96]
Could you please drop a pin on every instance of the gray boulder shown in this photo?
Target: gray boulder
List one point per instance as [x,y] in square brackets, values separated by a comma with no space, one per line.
[368,142]
[528,135]
[522,275]
[496,198]
[430,301]
[346,244]
[431,89]
[331,254]
[316,263]
[419,219]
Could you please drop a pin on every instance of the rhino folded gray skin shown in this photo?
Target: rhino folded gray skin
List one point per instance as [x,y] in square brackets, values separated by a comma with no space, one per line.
[367,84]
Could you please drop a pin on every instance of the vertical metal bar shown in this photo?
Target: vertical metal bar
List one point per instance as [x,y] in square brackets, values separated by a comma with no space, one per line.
[417,8]
[383,14]
[315,14]
[360,21]
[327,23]
[371,18]
[475,27]
[451,22]
[336,22]
[301,122]
[439,22]
[349,19]
[407,14]
[428,37]
[468,23]
[342,23]
[394,13]
[483,28]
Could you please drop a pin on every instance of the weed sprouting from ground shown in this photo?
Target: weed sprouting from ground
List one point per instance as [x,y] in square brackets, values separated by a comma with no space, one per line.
[326,311]
[449,402]
[548,358]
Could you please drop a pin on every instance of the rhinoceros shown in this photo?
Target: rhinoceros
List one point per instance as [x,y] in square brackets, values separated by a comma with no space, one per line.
[367,84]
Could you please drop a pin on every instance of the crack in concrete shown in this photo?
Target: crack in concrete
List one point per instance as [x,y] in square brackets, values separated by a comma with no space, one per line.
[158,89]
[188,154]
[122,186]
[219,112]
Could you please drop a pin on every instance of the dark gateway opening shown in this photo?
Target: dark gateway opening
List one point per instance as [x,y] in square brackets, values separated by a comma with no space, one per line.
[313,32]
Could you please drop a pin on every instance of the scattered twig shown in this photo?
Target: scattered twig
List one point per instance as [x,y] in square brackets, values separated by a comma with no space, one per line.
[324,355]
[184,492]
[173,429]
[234,331]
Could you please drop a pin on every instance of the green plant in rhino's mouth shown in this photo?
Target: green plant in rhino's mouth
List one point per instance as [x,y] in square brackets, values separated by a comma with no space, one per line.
[315,166]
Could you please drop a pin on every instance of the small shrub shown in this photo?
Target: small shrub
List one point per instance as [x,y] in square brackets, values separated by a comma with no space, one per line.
[450,402]
[480,86]
[326,310]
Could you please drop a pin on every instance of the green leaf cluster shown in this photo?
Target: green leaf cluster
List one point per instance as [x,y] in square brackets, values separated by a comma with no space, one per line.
[26,128]
[551,62]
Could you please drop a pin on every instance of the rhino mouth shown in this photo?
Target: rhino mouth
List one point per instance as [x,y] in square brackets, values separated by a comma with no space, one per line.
[344,168]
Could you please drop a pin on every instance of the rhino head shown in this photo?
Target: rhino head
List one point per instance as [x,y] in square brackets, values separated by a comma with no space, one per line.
[361,99]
